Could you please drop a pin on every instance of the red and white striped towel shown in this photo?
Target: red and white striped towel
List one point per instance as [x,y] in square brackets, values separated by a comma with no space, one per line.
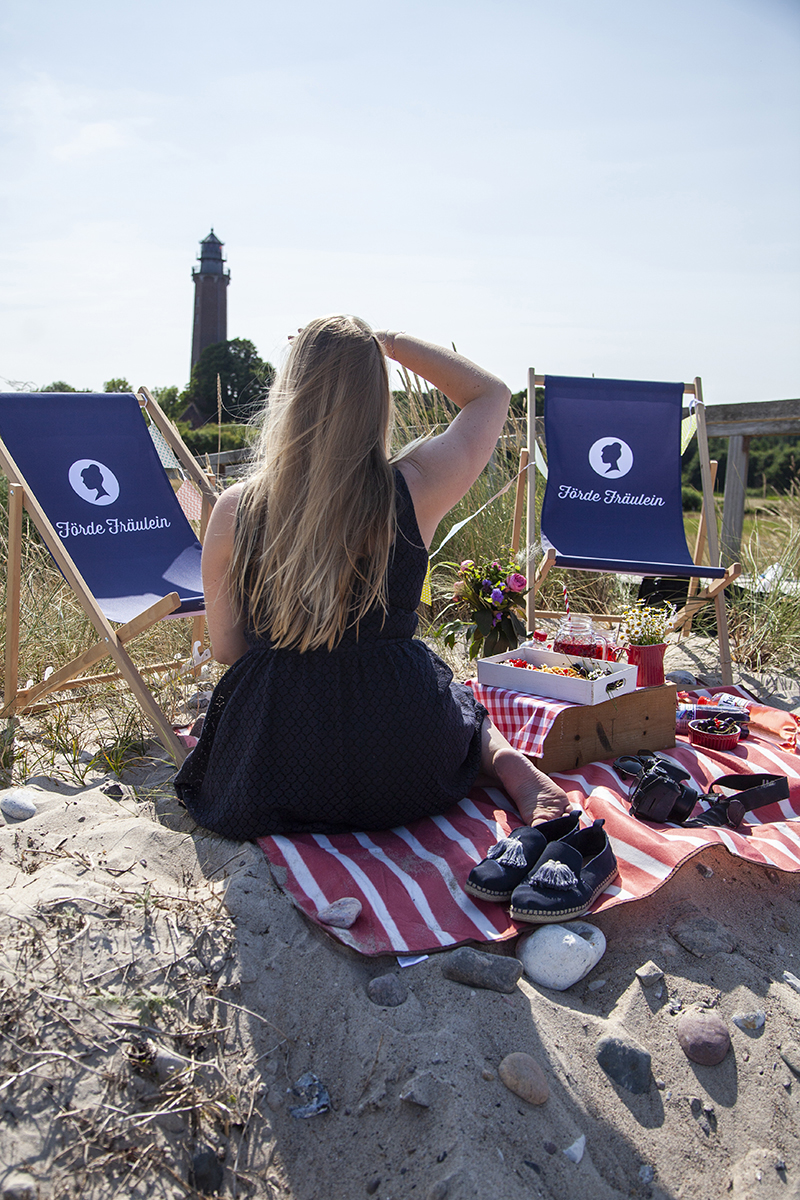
[409,880]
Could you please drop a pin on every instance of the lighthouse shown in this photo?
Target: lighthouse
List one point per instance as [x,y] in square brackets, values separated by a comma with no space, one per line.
[210,297]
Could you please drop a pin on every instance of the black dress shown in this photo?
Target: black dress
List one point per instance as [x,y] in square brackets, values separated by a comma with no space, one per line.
[372,734]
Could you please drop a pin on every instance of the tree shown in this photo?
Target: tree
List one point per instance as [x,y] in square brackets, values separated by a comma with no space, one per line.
[244,380]
[169,401]
[59,386]
[117,385]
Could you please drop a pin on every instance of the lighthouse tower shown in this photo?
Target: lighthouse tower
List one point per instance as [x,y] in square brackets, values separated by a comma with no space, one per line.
[210,297]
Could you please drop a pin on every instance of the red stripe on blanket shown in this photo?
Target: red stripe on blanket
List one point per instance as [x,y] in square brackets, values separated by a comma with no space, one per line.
[409,880]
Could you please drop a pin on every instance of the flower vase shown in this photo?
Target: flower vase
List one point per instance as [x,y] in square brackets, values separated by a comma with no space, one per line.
[650,663]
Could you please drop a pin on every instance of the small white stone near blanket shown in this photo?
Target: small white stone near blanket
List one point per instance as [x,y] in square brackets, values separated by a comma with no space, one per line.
[19,804]
[342,913]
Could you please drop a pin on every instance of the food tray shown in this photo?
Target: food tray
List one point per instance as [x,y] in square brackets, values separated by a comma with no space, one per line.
[496,671]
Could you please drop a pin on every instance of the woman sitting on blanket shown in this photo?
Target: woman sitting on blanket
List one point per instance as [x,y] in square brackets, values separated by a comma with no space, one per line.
[333,715]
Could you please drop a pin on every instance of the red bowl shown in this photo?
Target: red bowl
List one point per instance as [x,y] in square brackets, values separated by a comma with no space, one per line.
[712,741]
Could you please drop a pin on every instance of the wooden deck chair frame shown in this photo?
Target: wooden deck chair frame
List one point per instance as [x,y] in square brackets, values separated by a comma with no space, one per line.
[707,531]
[112,642]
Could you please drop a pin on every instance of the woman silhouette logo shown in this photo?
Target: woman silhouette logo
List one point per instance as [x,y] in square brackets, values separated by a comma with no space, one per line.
[93,481]
[611,457]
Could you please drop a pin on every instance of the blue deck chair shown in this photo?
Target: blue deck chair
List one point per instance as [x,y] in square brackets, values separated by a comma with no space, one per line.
[86,469]
[612,502]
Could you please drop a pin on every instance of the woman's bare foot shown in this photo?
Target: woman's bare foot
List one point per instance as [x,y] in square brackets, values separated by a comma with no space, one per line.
[535,795]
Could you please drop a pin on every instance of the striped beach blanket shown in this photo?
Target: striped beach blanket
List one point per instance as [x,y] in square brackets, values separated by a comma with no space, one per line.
[409,880]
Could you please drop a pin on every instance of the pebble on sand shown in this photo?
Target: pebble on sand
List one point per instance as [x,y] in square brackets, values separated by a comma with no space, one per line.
[703,1037]
[523,1076]
[19,804]
[575,1152]
[342,913]
[750,1021]
[476,969]
[649,973]
[624,1061]
[387,991]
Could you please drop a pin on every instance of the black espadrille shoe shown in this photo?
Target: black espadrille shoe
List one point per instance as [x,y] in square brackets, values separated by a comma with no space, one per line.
[567,879]
[511,859]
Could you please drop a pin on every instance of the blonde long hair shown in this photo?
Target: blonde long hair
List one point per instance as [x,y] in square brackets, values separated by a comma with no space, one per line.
[316,518]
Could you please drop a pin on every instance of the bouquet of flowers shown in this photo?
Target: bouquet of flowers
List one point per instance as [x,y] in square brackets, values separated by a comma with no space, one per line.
[490,595]
[646,625]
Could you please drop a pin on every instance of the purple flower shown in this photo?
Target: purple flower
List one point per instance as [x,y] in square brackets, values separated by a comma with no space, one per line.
[496,619]
[516,582]
[487,585]
[497,597]
[466,564]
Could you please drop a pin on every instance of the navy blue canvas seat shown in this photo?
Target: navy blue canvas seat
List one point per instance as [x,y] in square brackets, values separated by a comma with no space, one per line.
[613,495]
[93,467]
[85,467]
[613,500]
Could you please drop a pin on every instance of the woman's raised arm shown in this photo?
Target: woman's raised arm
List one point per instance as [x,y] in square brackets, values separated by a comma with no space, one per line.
[443,469]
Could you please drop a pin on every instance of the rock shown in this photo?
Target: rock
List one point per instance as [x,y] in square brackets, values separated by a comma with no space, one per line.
[790,1053]
[761,1175]
[702,935]
[523,1076]
[696,1105]
[575,1152]
[556,956]
[626,1062]
[199,702]
[488,1074]
[419,1090]
[113,789]
[477,969]
[342,913]
[373,1185]
[19,804]
[646,1173]
[19,1186]
[649,973]
[703,1037]
[387,991]
[550,1147]
[750,1021]
[167,1063]
[705,871]
[792,980]
[312,1091]
[205,1173]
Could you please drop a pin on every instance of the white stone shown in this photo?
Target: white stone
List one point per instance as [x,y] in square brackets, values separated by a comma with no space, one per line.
[575,1152]
[342,913]
[556,956]
[18,804]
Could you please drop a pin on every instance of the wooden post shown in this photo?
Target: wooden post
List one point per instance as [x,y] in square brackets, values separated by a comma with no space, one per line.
[726,669]
[16,498]
[519,500]
[530,514]
[699,547]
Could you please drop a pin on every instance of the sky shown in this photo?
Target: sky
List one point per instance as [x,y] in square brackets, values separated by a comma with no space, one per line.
[587,188]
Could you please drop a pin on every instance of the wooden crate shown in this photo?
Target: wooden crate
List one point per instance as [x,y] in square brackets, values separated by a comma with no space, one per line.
[640,720]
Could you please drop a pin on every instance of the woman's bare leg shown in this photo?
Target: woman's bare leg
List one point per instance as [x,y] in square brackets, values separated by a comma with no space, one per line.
[535,795]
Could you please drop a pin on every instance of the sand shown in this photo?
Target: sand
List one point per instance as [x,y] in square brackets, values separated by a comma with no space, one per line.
[161,997]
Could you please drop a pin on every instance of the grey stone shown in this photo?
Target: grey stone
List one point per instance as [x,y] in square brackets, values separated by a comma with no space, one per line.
[19,804]
[792,980]
[750,1021]
[684,679]
[703,1037]
[696,1105]
[627,1063]
[702,936]
[199,702]
[419,1090]
[790,1053]
[556,956]
[646,1173]
[342,913]
[205,1173]
[477,969]
[649,973]
[387,991]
